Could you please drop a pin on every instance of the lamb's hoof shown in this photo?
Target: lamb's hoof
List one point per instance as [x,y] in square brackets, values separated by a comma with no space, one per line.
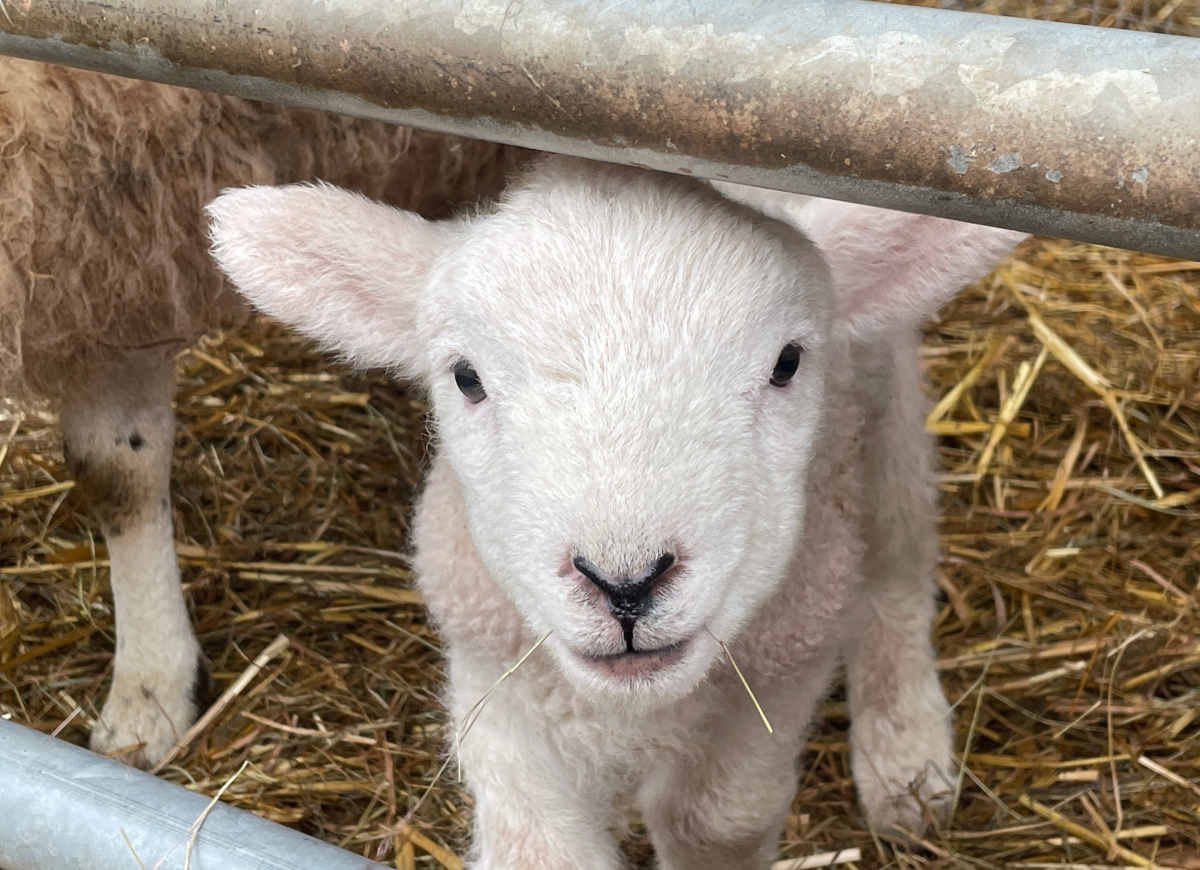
[143,718]
[907,814]
[905,782]
[902,798]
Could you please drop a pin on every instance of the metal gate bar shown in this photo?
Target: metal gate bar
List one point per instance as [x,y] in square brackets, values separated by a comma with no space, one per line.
[64,808]
[1079,132]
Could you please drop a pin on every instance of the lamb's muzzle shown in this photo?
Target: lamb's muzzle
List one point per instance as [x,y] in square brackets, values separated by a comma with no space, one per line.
[629,597]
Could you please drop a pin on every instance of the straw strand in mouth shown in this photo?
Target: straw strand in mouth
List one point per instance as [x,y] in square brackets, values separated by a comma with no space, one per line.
[749,691]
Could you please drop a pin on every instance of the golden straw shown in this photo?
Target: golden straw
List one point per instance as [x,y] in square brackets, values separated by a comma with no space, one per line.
[749,691]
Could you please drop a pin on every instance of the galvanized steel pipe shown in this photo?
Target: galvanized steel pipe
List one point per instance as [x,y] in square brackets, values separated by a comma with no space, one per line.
[64,808]
[1054,128]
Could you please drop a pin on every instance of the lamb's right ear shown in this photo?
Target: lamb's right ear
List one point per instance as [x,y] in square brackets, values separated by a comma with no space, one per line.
[340,268]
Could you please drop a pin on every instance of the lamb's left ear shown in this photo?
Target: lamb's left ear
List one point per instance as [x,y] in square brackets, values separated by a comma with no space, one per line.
[338,267]
[890,269]
[894,269]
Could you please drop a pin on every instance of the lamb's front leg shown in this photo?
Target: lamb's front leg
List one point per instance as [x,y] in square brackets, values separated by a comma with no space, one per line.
[535,807]
[900,734]
[722,806]
[118,433]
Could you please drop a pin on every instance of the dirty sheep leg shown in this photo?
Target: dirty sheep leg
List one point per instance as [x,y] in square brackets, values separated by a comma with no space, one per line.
[900,735]
[118,432]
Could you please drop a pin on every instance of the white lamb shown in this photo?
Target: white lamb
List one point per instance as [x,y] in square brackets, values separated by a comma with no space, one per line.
[665,421]
[104,274]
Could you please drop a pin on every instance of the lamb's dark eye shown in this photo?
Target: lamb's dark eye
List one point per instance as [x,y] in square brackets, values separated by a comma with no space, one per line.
[786,365]
[468,382]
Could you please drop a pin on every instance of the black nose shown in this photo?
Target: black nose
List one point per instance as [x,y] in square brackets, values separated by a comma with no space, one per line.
[629,596]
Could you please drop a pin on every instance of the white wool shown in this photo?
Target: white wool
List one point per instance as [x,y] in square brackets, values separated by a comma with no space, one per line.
[625,326]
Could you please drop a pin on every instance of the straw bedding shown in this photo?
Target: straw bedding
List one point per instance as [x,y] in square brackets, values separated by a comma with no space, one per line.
[1068,635]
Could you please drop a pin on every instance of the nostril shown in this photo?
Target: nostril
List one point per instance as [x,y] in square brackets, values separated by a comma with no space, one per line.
[597,577]
[660,566]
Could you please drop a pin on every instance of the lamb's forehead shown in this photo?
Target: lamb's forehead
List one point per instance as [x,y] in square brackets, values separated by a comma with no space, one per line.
[597,247]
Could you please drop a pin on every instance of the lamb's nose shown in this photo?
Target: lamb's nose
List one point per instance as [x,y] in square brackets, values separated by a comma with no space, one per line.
[628,596]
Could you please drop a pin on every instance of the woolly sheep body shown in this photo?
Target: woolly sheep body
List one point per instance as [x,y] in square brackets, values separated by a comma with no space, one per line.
[622,326]
[104,182]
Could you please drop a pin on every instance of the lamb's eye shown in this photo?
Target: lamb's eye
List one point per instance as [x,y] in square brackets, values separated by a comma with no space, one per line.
[786,365]
[468,382]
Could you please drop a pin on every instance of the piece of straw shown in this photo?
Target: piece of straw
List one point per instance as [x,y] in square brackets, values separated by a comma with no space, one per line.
[1096,382]
[8,439]
[955,393]
[1159,579]
[1152,765]
[746,685]
[959,428]
[129,843]
[37,492]
[1086,834]
[199,823]
[468,722]
[472,715]
[274,648]
[439,853]
[821,859]
[65,722]
[1022,383]
[1063,473]
[1120,287]
[406,858]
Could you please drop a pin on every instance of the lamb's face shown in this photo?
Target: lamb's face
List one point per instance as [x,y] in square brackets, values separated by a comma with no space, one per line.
[627,373]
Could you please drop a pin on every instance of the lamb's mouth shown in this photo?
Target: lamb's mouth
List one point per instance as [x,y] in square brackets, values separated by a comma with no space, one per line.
[638,663]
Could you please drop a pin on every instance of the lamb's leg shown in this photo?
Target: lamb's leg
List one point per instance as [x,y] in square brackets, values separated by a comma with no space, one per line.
[118,433]
[534,808]
[900,734]
[723,807]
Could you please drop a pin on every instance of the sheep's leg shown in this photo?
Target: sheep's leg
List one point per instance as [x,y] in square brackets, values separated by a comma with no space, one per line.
[118,433]
[533,809]
[723,806]
[526,818]
[900,733]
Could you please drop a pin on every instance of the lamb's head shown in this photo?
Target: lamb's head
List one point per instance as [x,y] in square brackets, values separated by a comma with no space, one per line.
[628,374]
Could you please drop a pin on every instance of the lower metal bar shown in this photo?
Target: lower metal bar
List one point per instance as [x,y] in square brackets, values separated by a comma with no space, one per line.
[65,808]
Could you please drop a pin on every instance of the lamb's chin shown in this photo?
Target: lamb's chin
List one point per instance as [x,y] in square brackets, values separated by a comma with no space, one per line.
[639,681]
